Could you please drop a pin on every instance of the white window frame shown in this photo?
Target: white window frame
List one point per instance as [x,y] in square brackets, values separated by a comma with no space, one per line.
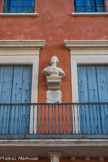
[84,52]
[19,52]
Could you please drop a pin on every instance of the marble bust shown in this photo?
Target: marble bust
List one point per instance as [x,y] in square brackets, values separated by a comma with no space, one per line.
[53,70]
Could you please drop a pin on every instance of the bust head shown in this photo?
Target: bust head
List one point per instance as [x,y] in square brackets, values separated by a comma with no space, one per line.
[54,59]
[53,70]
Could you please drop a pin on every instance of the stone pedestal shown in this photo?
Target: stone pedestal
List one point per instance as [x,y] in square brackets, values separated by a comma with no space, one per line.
[53,82]
[55,156]
[54,96]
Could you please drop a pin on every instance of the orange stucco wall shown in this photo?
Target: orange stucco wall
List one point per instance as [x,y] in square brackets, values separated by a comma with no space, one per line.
[54,24]
[1,6]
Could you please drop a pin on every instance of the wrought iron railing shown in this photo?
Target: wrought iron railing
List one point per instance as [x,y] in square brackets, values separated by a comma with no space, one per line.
[19,9]
[67,120]
[19,6]
[90,8]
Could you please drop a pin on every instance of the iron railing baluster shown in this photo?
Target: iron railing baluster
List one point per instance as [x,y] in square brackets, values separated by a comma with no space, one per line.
[85,119]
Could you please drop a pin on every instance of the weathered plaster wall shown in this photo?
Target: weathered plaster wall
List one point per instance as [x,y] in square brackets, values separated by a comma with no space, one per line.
[1,5]
[54,24]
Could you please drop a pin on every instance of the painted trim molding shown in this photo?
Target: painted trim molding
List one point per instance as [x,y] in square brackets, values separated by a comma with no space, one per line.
[24,52]
[22,43]
[90,14]
[85,43]
[18,14]
[55,143]
[84,52]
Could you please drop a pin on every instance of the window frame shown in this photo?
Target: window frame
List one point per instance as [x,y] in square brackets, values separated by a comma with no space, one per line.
[24,53]
[84,52]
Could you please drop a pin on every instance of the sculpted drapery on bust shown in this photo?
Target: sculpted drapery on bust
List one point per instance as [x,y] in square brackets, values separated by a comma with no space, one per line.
[53,70]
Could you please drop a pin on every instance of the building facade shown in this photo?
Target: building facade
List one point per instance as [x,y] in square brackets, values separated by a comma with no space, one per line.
[56,112]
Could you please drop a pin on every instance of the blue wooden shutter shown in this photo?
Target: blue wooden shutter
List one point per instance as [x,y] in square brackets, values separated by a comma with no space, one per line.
[15,127]
[93,87]
[100,6]
[14,2]
[78,5]
[6,6]
[94,124]
[6,73]
[89,5]
[26,96]
[85,6]
[14,6]
[92,5]
[82,84]
[28,6]
[21,93]
[103,94]
[15,87]
[82,87]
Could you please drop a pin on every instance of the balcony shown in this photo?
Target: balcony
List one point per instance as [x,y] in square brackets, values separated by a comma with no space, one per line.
[54,121]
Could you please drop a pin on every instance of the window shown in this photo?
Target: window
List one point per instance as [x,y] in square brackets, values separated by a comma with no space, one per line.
[89,59]
[19,64]
[93,88]
[15,87]
[19,6]
[93,83]
[89,6]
